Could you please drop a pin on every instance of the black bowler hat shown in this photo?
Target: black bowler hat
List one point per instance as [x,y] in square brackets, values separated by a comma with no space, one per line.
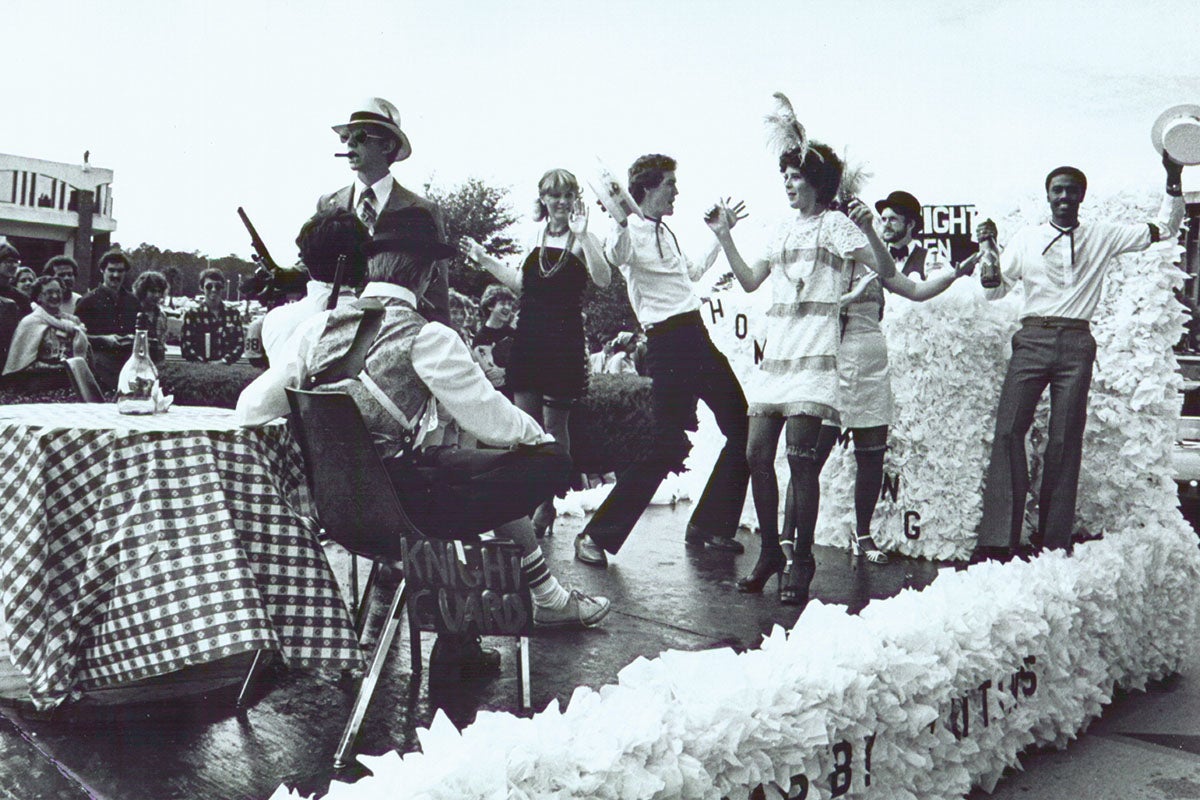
[408,230]
[903,202]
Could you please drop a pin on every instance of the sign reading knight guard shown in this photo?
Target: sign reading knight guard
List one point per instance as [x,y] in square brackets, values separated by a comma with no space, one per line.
[473,588]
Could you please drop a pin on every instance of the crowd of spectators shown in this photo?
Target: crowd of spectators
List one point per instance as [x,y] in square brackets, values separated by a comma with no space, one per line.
[44,320]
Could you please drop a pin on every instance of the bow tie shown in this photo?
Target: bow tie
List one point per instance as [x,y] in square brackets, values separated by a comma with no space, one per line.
[899,252]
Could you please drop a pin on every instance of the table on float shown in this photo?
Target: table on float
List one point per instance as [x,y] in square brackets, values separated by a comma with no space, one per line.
[135,546]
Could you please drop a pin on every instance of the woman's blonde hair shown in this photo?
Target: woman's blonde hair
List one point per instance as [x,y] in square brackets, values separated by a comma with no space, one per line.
[558,181]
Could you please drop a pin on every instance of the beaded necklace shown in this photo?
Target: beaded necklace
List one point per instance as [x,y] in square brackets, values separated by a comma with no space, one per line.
[544,266]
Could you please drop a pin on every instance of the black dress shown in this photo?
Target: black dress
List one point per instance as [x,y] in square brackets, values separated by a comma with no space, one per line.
[548,354]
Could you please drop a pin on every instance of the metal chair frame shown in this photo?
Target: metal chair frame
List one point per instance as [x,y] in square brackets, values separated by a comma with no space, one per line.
[83,380]
[334,417]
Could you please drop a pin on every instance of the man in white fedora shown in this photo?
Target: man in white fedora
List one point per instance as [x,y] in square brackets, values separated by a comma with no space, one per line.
[374,141]
[1062,264]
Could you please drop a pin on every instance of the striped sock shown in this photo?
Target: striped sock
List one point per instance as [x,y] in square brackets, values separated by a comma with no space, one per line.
[547,591]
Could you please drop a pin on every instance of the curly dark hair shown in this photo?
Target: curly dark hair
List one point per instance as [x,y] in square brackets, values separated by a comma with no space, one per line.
[149,281]
[494,294]
[115,254]
[647,173]
[821,168]
[65,261]
[1071,172]
[329,234]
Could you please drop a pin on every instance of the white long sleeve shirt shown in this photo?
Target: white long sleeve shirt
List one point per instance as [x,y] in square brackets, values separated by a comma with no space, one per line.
[659,276]
[442,362]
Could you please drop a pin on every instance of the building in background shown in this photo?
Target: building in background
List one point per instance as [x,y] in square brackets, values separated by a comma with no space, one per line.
[49,208]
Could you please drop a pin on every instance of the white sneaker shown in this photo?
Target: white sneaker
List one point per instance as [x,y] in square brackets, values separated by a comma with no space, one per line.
[579,610]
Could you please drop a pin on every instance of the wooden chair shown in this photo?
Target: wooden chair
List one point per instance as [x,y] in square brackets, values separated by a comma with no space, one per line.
[83,381]
[359,509]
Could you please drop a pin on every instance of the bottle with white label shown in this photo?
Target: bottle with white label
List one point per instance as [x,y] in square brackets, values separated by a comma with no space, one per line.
[139,377]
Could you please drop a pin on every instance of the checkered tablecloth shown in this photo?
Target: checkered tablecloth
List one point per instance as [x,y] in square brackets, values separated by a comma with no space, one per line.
[133,546]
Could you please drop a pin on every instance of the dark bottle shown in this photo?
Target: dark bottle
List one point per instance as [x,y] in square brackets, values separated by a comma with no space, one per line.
[989,262]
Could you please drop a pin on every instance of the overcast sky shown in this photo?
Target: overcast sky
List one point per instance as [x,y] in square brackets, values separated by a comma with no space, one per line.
[201,107]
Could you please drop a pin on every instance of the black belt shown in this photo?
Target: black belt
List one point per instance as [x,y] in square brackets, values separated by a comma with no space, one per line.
[675,323]
[1057,322]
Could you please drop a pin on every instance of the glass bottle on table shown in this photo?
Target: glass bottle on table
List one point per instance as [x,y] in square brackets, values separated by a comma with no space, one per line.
[139,377]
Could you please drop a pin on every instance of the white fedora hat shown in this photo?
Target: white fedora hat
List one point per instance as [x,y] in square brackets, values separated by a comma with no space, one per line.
[1178,131]
[377,111]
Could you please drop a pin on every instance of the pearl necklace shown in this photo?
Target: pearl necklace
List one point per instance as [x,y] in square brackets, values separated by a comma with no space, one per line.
[544,266]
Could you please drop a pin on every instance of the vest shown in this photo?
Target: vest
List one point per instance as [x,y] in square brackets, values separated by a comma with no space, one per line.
[387,390]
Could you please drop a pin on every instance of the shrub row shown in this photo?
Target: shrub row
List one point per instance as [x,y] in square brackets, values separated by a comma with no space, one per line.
[608,429]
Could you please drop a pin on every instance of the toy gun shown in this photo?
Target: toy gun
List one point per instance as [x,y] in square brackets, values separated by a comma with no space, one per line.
[261,255]
[270,282]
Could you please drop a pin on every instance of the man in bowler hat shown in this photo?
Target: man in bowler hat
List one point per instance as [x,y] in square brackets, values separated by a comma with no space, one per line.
[900,217]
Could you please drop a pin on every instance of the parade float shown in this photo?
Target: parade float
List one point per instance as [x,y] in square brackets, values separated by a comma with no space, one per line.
[928,693]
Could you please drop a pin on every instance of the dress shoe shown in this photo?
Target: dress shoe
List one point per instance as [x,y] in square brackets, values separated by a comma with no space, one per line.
[695,538]
[462,658]
[580,610]
[588,552]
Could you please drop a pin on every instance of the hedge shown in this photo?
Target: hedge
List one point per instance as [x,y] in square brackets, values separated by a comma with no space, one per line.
[608,428]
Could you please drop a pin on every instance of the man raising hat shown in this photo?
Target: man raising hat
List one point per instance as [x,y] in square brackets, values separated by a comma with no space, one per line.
[900,214]
[1062,263]
[374,141]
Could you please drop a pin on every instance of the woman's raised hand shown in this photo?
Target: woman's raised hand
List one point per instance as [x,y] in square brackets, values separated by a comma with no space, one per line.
[472,249]
[578,220]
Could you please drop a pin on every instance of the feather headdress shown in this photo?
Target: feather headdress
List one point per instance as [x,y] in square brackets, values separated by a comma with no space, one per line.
[854,178]
[785,132]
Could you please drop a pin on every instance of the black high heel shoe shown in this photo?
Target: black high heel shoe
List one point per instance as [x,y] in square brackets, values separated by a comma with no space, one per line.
[793,587]
[768,564]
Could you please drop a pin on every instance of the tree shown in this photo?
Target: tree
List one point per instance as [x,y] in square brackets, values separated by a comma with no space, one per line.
[183,269]
[482,212]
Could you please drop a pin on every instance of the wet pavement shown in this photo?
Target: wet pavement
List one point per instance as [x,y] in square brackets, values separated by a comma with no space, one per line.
[663,597]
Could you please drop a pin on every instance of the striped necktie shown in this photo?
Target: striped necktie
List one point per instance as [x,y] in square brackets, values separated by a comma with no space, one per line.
[366,209]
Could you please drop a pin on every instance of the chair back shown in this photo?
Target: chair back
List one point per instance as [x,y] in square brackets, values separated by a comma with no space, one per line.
[356,504]
[83,381]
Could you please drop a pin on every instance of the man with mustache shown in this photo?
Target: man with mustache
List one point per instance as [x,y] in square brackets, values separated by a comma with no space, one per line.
[1062,264]
[900,220]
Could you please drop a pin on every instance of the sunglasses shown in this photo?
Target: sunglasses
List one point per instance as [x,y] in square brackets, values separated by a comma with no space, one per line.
[356,138]
[217,286]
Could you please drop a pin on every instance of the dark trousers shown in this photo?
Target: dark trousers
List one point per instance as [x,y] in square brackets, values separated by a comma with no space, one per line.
[684,367]
[1060,356]
[451,492]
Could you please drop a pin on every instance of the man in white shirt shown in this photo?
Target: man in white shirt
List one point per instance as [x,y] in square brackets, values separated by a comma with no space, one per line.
[684,367]
[410,366]
[1062,264]
[326,237]
[374,141]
